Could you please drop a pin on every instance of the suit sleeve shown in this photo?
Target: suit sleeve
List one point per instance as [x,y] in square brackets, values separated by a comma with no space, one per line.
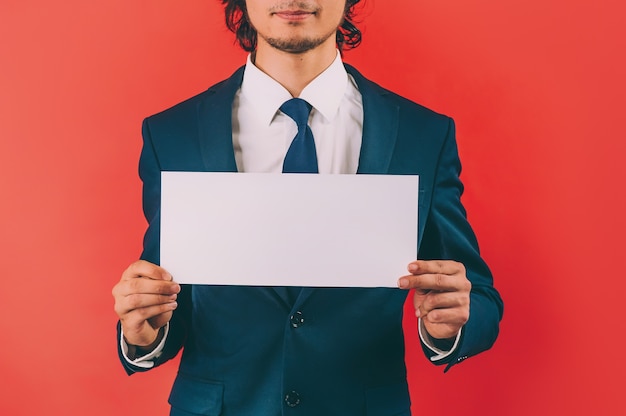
[150,174]
[448,236]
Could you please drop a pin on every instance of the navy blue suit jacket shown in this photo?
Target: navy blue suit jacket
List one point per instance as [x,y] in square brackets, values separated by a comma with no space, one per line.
[340,351]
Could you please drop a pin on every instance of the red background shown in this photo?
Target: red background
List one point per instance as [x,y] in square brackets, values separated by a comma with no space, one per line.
[536,88]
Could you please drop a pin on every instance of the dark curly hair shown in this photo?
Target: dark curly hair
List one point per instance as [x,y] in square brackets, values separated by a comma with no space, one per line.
[348,35]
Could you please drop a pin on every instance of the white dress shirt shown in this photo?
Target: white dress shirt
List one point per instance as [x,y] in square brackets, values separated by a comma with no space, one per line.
[262,135]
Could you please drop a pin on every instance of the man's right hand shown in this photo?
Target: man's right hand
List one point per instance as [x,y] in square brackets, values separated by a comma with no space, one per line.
[145,298]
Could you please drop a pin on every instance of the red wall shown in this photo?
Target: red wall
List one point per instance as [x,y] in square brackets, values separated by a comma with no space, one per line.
[536,88]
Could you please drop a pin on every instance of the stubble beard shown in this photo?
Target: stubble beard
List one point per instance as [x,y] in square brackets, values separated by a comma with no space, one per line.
[297,45]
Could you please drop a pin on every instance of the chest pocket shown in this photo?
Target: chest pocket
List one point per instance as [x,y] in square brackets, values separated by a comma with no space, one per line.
[191,396]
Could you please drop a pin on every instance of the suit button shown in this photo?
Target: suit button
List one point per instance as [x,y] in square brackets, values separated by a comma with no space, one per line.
[297,319]
[292,399]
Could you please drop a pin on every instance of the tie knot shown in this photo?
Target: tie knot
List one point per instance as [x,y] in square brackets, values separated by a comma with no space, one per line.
[298,110]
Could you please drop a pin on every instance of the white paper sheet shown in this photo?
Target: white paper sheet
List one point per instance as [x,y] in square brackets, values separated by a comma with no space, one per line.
[288,229]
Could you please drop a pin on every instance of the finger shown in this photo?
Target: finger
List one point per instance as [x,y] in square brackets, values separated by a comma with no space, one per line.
[160,320]
[442,331]
[448,267]
[142,268]
[145,286]
[447,316]
[144,332]
[439,300]
[131,302]
[435,281]
[136,319]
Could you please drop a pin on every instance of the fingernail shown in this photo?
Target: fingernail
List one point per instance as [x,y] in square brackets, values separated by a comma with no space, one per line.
[417,312]
[403,282]
[413,267]
[173,305]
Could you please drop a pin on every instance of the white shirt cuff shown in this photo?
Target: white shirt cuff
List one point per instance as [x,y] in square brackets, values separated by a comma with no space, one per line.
[426,339]
[145,361]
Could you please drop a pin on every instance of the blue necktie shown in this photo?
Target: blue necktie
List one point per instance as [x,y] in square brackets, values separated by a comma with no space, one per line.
[301,156]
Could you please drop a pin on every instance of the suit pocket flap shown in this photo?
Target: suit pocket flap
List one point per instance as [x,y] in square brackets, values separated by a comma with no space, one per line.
[197,396]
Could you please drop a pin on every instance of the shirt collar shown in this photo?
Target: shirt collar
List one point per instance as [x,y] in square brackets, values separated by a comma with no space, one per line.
[266,95]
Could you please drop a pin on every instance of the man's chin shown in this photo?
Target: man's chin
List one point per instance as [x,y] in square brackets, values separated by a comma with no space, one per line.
[295,46]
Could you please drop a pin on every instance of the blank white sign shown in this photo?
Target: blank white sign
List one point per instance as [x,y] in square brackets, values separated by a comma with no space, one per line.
[288,229]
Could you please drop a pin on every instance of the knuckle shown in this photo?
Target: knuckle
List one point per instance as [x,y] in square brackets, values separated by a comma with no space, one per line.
[463,302]
[417,300]
[160,288]
[166,308]
[142,313]
[439,280]
[142,267]
[129,272]
[133,285]
[465,315]
[126,273]
[118,310]
[134,301]
[434,316]
[135,266]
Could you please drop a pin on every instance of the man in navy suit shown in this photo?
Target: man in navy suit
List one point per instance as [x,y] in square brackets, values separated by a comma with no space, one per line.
[283,350]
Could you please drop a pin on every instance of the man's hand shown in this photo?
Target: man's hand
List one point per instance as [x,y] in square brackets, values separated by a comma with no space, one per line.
[442,295]
[145,298]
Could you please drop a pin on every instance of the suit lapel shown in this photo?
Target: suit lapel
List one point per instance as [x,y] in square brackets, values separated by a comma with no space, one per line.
[215,125]
[380,126]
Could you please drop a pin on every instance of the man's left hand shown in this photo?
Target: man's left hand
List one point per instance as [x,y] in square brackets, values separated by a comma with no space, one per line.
[442,295]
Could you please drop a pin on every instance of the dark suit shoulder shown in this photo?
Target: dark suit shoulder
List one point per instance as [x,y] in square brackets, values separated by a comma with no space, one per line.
[190,105]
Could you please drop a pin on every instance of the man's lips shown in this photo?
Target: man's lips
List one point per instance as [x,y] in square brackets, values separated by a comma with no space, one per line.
[294,14]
